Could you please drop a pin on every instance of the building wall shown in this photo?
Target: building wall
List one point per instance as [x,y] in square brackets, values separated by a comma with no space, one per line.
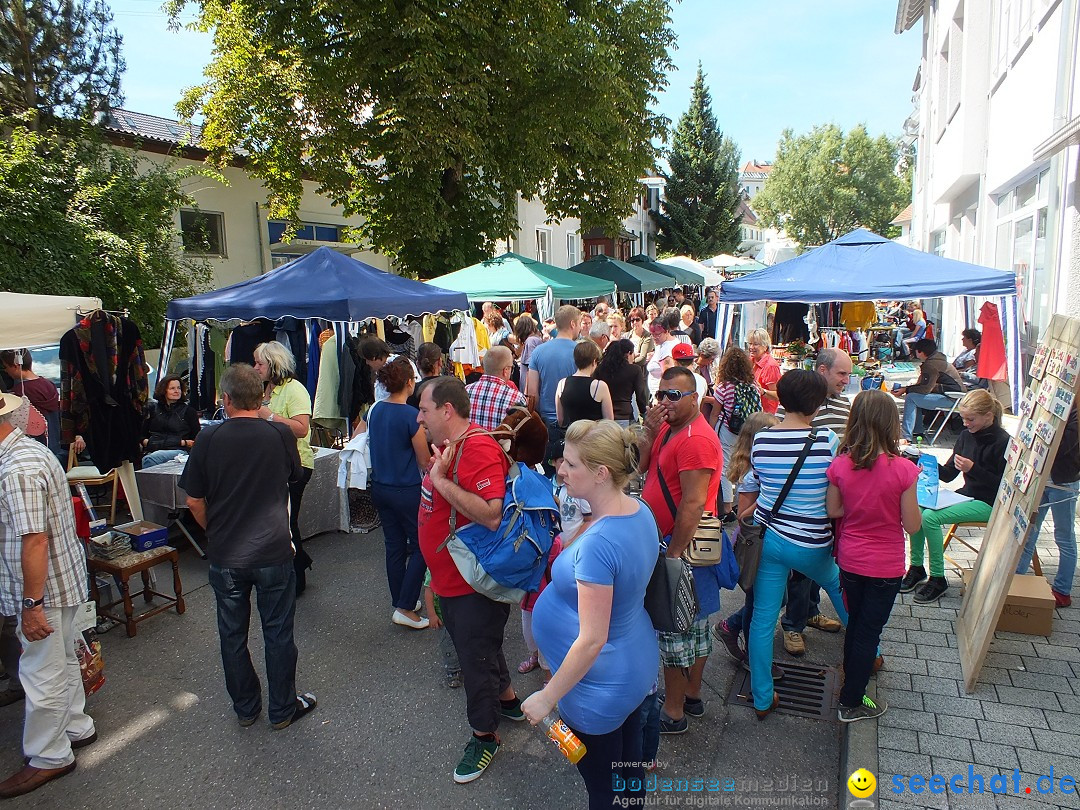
[994,86]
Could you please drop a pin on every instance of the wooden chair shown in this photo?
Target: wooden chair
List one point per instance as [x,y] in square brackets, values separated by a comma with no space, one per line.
[950,535]
[91,476]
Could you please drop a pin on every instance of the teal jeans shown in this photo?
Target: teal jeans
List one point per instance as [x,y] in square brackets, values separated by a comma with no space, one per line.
[931,535]
[778,558]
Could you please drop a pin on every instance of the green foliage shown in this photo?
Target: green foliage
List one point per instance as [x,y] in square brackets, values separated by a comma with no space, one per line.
[78,217]
[824,184]
[701,207]
[427,117]
[59,60]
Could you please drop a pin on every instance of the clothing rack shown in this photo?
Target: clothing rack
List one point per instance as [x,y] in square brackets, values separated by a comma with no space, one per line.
[121,313]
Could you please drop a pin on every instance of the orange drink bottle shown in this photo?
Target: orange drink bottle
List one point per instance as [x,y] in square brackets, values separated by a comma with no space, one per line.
[560,734]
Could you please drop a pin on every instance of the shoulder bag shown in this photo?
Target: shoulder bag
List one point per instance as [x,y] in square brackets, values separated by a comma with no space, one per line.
[751,535]
[707,545]
[670,597]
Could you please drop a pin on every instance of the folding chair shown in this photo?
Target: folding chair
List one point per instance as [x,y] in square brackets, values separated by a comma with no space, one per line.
[950,535]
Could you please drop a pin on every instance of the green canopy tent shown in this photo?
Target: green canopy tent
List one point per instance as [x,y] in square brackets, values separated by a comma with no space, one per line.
[628,278]
[511,277]
[677,275]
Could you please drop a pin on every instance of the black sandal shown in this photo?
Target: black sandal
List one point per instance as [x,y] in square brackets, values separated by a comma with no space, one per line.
[305,704]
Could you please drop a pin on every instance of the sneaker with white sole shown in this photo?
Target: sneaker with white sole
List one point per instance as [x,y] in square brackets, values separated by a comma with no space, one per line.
[866,710]
[474,761]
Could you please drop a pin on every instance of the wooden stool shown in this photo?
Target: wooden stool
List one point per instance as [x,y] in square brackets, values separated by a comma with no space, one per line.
[122,568]
[951,535]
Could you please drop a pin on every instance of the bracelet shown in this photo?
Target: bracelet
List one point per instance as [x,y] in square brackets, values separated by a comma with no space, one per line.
[270,418]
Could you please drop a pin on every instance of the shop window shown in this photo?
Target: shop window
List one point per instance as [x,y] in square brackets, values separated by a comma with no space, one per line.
[203,232]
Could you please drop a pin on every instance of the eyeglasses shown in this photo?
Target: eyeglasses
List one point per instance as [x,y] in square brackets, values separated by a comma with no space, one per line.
[635,320]
[673,394]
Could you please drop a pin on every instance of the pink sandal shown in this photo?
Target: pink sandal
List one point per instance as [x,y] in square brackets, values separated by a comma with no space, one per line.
[529,664]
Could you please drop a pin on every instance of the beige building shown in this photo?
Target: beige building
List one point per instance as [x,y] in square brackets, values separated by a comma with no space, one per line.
[233,231]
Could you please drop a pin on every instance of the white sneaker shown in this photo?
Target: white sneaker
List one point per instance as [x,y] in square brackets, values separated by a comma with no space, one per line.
[405,621]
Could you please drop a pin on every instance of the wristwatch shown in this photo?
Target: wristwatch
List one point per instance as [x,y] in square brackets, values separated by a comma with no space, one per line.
[30,604]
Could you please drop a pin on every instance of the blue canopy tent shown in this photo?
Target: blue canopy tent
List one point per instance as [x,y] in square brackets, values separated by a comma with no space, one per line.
[324,285]
[862,266]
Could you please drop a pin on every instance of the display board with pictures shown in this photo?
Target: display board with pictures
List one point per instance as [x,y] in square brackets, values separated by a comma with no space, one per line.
[1044,406]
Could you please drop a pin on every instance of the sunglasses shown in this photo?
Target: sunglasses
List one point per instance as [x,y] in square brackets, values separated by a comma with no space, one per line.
[672,394]
[635,320]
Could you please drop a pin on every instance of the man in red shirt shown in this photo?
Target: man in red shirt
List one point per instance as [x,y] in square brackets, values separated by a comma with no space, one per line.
[680,450]
[470,476]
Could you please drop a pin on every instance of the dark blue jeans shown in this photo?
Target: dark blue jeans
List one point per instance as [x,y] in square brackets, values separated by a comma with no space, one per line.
[405,567]
[869,602]
[603,779]
[803,601]
[275,595]
[649,714]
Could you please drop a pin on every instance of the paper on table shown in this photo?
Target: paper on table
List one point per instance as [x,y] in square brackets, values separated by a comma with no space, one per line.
[946,497]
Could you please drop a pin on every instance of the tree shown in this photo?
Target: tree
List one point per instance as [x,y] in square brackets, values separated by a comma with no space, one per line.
[701,205]
[823,185]
[59,60]
[78,217]
[427,117]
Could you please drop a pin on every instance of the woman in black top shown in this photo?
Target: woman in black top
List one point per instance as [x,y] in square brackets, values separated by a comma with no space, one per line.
[581,396]
[979,454]
[625,380]
[171,424]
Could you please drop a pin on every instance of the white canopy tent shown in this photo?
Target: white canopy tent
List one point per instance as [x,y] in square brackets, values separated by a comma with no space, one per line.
[30,321]
[709,277]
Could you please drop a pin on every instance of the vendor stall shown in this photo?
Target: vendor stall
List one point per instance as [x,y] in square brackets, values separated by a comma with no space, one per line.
[31,321]
[862,266]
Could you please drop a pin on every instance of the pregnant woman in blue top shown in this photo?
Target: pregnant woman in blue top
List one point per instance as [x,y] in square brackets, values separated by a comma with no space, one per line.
[590,622]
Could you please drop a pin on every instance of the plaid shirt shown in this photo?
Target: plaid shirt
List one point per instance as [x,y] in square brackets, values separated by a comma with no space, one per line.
[490,398]
[34,497]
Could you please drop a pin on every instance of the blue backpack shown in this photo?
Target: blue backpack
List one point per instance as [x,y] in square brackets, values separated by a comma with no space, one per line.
[507,563]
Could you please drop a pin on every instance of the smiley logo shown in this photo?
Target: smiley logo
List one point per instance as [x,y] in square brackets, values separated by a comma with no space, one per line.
[861,783]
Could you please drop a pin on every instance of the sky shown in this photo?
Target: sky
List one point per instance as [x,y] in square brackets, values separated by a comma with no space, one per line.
[769,64]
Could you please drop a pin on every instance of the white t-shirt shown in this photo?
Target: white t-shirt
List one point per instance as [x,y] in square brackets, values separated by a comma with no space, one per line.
[660,353]
[571,510]
[380,390]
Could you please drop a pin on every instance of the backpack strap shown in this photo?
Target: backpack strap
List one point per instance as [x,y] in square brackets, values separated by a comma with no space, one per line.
[790,482]
[458,446]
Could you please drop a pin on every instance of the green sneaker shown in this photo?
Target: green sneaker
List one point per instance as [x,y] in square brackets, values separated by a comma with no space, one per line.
[866,710]
[474,761]
[512,711]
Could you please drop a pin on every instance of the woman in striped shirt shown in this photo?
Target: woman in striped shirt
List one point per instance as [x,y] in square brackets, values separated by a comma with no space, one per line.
[800,536]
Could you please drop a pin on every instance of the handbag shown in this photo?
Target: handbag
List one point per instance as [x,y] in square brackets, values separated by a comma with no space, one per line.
[706,546]
[752,535]
[670,598]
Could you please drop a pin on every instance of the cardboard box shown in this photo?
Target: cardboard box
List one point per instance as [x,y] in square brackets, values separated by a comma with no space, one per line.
[144,534]
[1029,606]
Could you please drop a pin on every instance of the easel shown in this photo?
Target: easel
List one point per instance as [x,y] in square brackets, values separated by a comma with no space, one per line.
[1029,459]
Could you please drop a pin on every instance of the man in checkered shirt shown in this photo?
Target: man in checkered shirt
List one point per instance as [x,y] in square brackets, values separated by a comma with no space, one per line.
[493,394]
[43,582]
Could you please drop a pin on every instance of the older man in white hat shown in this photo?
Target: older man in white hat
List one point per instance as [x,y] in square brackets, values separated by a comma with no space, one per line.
[42,582]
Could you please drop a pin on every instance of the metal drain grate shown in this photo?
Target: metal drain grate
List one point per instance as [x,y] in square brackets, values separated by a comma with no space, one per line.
[806,690]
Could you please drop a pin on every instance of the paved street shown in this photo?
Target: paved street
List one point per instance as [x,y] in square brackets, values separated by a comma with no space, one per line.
[387,733]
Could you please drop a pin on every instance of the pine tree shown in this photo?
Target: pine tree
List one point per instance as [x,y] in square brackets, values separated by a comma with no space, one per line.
[700,214]
[59,61]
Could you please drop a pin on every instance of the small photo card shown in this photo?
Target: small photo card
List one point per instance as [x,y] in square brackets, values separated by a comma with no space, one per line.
[1039,451]
[1020,525]
[1005,494]
[1027,402]
[1044,429]
[1063,400]
[1046,392]
[1038,362]
[1026,434]
[1070,370]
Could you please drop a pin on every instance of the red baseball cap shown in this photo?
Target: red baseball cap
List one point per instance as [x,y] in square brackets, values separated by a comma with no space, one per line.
[683,351]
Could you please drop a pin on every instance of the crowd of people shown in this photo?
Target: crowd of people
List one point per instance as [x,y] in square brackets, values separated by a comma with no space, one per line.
[642,398]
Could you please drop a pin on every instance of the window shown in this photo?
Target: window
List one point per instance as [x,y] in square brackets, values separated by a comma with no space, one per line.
[1020,246]
[203,232]
[937,243]
[571,249]
[543,245]
[312,231]
[597,249]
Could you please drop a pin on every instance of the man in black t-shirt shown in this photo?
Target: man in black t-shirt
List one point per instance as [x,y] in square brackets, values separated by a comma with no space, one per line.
[237,481]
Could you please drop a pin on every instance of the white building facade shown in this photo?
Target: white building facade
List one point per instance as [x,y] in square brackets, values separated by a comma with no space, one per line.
[996,173]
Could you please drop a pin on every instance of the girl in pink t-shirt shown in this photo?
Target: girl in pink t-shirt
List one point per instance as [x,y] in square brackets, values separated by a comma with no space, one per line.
[872,493]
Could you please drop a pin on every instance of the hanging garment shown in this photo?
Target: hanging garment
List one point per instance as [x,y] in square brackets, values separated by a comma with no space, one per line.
[327,409]
[465,348]
[354,463]
[858,315]
[414,328]
[313,352]
[992,364]
[429,329]
[789,323]
[246,337]
[104,388]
